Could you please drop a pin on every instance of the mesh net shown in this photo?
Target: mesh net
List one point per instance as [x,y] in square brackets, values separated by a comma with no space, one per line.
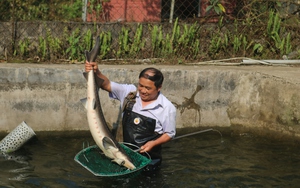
[93,159]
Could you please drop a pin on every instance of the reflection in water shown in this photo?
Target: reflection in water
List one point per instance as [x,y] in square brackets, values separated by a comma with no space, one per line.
[196,161]
[15,166]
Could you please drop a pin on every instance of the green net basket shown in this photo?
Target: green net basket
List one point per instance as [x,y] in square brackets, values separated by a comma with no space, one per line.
[93,159]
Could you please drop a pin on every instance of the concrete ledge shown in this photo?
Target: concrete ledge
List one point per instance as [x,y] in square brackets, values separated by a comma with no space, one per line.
[247,97]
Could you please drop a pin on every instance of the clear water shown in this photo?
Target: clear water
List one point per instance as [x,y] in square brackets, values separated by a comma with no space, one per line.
[203,160]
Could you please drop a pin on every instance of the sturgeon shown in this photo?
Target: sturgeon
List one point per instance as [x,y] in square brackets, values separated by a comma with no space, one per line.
[97,124]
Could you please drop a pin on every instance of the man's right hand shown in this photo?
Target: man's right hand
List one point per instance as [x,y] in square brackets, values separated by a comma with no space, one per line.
[91,65]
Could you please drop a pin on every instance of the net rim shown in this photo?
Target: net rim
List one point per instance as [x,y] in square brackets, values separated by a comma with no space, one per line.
[121,173]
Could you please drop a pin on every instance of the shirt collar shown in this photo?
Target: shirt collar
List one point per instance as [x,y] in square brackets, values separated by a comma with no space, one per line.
[157,103]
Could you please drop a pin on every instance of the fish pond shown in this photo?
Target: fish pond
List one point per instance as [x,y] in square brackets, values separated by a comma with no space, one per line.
[203,160]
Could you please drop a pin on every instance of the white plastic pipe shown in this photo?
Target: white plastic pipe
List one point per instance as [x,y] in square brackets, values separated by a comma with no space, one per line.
[271,61]
[16,138]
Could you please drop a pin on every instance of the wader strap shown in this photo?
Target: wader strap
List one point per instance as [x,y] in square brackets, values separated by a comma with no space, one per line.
[139,134]
[129,101]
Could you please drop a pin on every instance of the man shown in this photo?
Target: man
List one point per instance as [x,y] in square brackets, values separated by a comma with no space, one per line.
[149,118]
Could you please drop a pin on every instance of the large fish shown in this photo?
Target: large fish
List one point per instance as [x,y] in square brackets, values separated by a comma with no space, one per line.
[97,124]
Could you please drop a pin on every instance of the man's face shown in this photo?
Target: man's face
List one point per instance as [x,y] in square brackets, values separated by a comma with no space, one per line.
[147,90]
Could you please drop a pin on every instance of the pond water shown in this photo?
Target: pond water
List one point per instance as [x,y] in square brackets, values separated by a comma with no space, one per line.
[203,160]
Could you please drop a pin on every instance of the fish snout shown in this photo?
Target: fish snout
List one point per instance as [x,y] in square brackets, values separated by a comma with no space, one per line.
[129,165]
[125,162]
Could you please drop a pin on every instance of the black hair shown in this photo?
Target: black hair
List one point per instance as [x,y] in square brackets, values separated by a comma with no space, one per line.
[157,77]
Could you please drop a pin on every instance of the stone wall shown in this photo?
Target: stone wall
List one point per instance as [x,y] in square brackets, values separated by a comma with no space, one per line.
[260,98]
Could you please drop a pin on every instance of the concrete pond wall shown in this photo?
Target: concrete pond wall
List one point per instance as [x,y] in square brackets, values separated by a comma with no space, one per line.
[264,99]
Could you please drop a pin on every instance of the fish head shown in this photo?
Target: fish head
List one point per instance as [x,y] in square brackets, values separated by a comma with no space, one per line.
[123,160]
[119,156]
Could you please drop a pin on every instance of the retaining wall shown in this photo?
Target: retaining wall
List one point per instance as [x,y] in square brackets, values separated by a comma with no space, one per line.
[264,99]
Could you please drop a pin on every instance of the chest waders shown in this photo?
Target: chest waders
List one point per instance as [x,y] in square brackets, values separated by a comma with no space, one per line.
[139,129]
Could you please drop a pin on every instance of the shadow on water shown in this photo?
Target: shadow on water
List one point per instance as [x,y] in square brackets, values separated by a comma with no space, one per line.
[202,160]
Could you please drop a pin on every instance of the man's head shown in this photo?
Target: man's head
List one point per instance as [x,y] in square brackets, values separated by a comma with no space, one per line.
[150,83]
[154,75]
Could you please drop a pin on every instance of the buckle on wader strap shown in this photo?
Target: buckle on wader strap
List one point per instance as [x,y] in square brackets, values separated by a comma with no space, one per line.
[129,101]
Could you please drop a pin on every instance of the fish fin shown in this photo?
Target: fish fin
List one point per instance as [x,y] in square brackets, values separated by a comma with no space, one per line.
[91,56]
[84,102]
[107,142]
[87,55]
[119,161]
[94,104]
[85,74]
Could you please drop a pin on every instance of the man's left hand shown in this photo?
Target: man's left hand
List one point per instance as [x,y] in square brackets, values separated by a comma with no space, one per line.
[148,146]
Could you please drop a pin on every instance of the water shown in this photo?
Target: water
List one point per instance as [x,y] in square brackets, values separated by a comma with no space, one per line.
[203,160]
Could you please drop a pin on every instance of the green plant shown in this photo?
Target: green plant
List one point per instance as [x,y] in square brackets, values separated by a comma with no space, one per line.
[87,40]
[95,6]
[216,6]
[71,11]
[138,42]
[274,30]
[54,46]
[245,45]
[258,30]
[273,25]
[237,42]
[288,45]
[16,10]
[188,41]
[257,48]
[174,38]
[180,43]
[124,42]
[215,45]
[166,46]
[156,40]
[74,51]
[224,42]
[240,43]
[24,47]
[42,48]
[195,48]
[105,44]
